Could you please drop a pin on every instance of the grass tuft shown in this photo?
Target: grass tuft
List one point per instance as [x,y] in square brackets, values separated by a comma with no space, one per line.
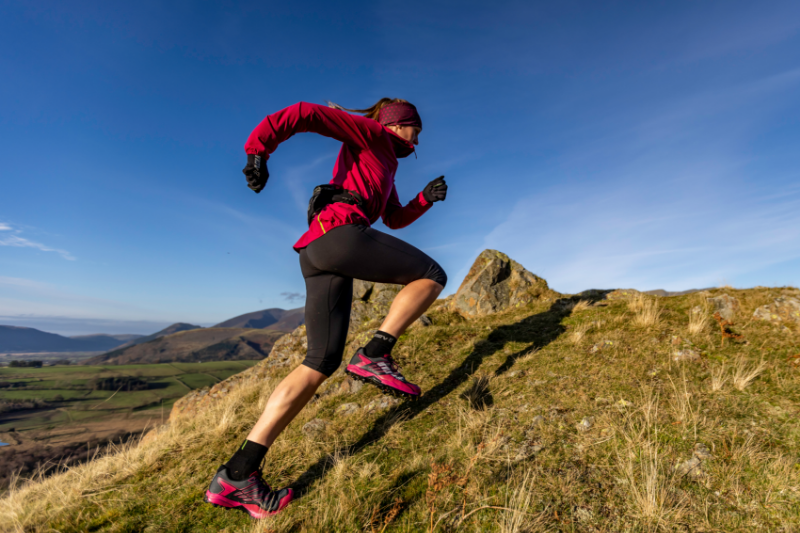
[647,311]
[744,373]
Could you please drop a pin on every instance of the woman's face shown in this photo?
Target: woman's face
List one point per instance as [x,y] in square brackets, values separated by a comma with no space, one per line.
[409,133]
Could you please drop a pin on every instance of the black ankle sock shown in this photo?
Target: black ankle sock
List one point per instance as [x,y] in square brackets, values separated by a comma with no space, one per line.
[380,345]
[246,460]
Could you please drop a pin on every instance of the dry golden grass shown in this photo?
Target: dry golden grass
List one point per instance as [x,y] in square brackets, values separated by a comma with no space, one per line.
[497,385]
[744,373]
[579,332]
[582,305]
[698,321]
[647,311]
[718,378]
[517,516]
[649,480]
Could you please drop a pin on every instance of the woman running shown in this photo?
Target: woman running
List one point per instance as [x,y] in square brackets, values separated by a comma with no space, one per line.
[339,246]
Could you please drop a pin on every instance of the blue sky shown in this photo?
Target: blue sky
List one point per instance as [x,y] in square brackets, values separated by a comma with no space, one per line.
[616,144]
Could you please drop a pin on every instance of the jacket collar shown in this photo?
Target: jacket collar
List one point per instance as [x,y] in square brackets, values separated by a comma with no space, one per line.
[402,147]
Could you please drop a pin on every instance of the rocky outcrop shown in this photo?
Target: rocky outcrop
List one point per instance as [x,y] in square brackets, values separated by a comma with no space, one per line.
[780,310]
[727,306]
[496,283]
[622,294]
[371,301]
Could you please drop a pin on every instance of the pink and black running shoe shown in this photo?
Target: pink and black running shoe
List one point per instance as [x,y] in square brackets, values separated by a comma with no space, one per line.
[382,372]
[252,495]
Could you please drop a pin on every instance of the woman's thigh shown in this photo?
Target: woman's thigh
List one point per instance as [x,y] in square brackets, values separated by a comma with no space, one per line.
[364,253]
[327,313]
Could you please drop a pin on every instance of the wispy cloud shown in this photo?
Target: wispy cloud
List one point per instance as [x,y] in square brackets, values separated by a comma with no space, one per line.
[293,296]
[674,200]
[14,239]
[301,179]
[21,296]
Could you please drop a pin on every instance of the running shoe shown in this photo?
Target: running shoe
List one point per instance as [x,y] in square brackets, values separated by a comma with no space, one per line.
[381,371]
[252,495]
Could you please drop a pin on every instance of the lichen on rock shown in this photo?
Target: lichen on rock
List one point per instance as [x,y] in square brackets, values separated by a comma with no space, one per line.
[371,302]
[496,283]
[727,306]
[780,310]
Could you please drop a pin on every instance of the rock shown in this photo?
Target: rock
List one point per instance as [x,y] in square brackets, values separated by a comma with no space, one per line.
[583,514]
[726,306]
[314,427]
[527,450]
[538,420]
[153,433]
[586,423]
[622,294]
[496,283]
[347,409]
[379,404]
[685,355]
[556,412]
[288,350]
[692,467]
[371,301]
[676,341]
[781,310]
[603,401]
[423,321]
[601,346]
[350,386]
[701,451]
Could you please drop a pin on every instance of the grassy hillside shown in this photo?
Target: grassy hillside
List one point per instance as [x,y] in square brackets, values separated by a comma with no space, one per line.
[206,344]
[561,415]
[169,330]
[52,413]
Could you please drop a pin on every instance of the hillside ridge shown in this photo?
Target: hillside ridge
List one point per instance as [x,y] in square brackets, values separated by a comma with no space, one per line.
[607,410]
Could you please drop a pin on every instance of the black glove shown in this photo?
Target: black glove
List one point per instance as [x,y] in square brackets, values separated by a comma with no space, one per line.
[435,190]
[256,172]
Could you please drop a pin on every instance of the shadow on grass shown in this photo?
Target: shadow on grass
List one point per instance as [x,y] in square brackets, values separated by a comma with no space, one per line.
[537,331]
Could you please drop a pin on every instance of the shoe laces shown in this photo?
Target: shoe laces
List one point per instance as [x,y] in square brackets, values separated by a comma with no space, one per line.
[392,363]
[262,488]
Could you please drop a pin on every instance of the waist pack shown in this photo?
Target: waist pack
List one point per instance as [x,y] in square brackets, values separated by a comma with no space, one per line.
[329,193]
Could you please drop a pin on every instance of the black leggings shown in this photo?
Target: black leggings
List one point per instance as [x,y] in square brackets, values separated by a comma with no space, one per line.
[329,265]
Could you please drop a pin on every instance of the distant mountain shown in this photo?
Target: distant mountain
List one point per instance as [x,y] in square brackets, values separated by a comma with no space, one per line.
[15,339]
[122,337]
[198,344]
[169,330]
[274,319]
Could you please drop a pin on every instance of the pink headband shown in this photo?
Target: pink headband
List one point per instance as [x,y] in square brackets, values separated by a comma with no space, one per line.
[400,114]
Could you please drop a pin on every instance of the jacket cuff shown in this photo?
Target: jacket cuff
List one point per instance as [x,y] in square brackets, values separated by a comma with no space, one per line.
[422,201]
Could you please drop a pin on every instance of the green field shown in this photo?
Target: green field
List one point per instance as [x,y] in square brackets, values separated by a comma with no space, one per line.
[71,391]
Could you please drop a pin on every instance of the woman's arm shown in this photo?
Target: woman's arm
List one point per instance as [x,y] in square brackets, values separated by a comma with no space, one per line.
[397,216]
[350,129]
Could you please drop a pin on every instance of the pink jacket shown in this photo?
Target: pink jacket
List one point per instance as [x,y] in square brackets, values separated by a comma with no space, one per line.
[367,163]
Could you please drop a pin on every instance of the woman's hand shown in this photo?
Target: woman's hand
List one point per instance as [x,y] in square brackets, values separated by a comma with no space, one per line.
[436,190]
[256,173]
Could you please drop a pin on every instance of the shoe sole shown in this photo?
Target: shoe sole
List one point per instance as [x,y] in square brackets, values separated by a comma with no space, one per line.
[245,511]
[383,387]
